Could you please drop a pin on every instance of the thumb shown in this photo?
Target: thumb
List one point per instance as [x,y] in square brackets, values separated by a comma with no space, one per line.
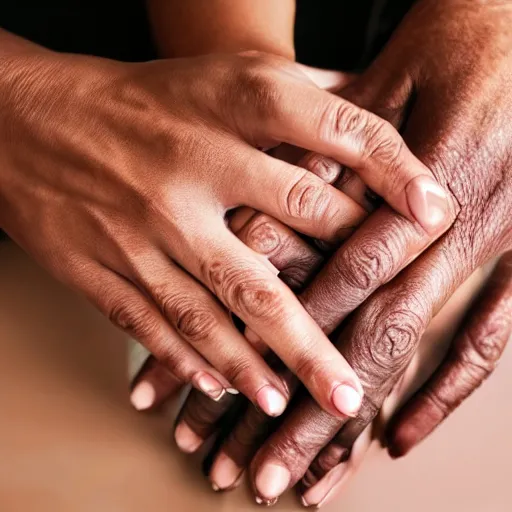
[328,79]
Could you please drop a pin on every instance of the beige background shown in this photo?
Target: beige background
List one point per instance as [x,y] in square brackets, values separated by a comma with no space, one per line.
[69,440]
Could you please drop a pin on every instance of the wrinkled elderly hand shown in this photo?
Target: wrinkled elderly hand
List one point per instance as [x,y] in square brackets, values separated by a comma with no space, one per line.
[117,177]
[444,80]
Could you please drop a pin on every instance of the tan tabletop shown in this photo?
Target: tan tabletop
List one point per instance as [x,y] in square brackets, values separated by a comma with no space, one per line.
[70,442]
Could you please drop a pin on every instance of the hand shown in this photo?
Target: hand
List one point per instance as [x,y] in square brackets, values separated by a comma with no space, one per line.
[455,89]
[119,152]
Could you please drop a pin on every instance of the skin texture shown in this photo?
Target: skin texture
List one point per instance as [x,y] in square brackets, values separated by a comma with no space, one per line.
[119,152]
[454,115]
[199,27]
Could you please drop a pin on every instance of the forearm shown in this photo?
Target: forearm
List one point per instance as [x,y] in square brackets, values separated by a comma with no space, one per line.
[197,27]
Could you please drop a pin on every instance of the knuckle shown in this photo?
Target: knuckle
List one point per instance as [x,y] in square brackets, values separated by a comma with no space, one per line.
[384,145]
[346,119]
[375,263]
[240,372]
[257,87]
[261,236]
[307,198]
[245,292]
[438,401]
[191,319]
[395,339]
[134,317]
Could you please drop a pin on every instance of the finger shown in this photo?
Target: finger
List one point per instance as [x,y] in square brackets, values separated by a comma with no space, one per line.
[297,198]
[199,419]
[201,321]
[328,79]
[126,307]
[296,261]
[317,493]
[383,245]
[266,305]
[289,254]
[472,358]
[286,251]
[379,341]
[316,120]
[153,385]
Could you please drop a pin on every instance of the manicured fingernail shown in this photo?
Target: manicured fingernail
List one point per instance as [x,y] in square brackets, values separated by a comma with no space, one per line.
[271,481]
[209,385]
[347,400]
[428,202]
[225,473]
[271,401]
[322,492]
[186,439]
[232,391]
[143,396]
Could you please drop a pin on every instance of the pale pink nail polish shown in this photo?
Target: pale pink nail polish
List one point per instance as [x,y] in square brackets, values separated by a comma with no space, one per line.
[428,202]
[186,439]
[271,481]
[346,400]
[143,396]
[225,473]
[209,385]
[271,401]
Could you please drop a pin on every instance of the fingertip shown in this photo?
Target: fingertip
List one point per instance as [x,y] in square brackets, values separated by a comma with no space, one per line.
[143,395]
[347,400]
[186,439]
[271,401]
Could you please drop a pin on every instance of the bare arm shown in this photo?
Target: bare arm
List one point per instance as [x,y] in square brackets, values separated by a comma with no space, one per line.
[198,27]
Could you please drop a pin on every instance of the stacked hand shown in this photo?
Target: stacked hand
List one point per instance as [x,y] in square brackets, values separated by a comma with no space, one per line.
[443,80]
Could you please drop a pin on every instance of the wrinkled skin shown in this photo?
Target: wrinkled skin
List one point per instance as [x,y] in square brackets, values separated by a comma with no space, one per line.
[119,153]
[444,80]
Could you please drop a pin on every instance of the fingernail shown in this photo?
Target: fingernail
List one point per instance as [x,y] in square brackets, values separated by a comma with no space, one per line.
[347,400]
[428,202]
[225,473]
[186,439]
[143,396]
[271,481]
[209,385]
[271,401]
[232,391]
[322,492]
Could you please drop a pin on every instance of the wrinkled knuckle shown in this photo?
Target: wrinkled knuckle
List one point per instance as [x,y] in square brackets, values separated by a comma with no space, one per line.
[239,372]
[307,199]
[396,339]
[384,145]
[481,354]
[257,298]
[136,318]
[191,319]
[247,292]
[261,235]
[345,119]
[365,265]
[440,403]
